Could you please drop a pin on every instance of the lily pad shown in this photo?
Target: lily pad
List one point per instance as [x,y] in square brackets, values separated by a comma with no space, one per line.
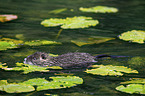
[7,43]
[40,84]
[110,70]
[40,42]
[16,88]
[91,40]
[26,68]
[70,23]
[3,82]
[5,18]
[134,81]
[137,36]
[99,9]
[132,88]
[57,11]
[61,82]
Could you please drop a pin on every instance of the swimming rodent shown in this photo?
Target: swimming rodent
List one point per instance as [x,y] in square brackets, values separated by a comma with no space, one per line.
[66,61]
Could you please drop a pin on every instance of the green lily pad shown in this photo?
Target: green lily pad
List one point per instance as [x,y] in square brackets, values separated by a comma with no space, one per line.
[7,43]
[99,9]
[16,88]
[137,36]
[5,18]
[110,70]
[3,82]
[70,23]
[40,42]
[61,82]
[91,40]
[132,88]
[26,68]
[57,11]
[40,84]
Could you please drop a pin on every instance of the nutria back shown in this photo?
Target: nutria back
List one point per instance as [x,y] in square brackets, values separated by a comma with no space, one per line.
[66,61]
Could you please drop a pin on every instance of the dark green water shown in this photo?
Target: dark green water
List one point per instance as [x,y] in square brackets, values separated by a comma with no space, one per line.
[131,16]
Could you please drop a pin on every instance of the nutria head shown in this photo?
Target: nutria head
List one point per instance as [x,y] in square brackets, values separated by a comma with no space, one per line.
[37,58]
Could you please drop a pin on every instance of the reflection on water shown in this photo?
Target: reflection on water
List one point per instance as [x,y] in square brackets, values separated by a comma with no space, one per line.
[32,12]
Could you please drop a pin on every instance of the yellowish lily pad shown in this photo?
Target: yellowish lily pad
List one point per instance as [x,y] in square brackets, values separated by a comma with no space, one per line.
[99,9]
[110,70]
[5,18]
[40,42]
[57,11]
[137,36]
[91,40]
[70,23]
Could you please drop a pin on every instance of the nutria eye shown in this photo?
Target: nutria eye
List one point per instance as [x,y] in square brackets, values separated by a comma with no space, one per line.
[43,56]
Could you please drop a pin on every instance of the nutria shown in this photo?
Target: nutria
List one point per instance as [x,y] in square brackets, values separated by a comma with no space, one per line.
[66,61]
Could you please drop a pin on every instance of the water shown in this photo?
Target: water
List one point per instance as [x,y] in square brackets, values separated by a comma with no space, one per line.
[131,16]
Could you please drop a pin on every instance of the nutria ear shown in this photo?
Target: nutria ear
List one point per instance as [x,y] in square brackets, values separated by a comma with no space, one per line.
[43,56]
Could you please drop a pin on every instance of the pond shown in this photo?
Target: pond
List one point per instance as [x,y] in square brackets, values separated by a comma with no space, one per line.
[27,27]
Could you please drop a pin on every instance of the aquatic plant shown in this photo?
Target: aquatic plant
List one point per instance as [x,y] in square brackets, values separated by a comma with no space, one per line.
[40,42]
[136,85]
[5,18]
[110,70]
[7,43]
[137,36]
[57,82]
[91,40]
[26,68]
[57,11]
[99,9]
[70,23]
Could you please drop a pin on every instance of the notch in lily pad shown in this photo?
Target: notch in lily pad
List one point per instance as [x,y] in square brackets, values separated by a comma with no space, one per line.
[99,9]
[110,70]
[137,36]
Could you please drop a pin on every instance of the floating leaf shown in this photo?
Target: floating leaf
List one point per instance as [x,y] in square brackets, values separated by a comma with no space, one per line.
[99,9]
[110,70]
[26,68]
[91,40]
[61,82]
[7,43]
[132,88]
[137,36]
[70,23]
[3,82]
[40,84]
[5,18]
[40,42]
[134,81]
[20,36]
[58,10]
[16,88]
